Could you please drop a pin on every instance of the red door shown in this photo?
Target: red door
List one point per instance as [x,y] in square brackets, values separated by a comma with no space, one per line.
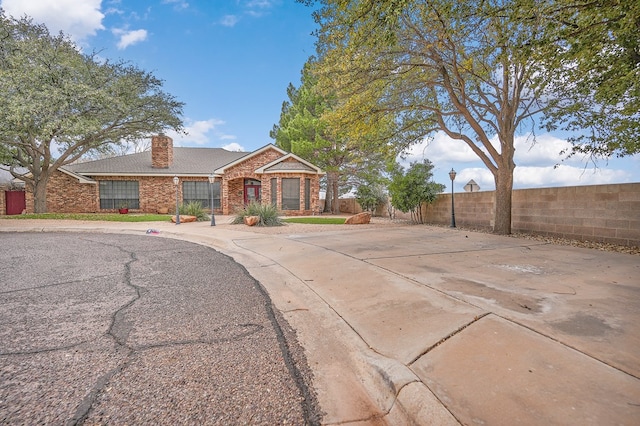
[15,202]
[251,193]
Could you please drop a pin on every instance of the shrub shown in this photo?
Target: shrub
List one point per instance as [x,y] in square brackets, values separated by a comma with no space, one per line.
[194,208]
[268,214]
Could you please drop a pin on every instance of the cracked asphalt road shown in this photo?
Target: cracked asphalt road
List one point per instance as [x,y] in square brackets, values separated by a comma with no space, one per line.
[124,329]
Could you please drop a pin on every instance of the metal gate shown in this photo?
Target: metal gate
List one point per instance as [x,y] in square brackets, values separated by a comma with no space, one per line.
[15,201]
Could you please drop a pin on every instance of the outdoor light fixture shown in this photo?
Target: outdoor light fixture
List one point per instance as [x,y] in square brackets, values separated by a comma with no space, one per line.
[212,179]
[452,175]
[176,181]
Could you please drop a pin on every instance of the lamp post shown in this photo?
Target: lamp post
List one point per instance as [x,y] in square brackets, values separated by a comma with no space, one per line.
[176,181]
[452,175]
[212,179]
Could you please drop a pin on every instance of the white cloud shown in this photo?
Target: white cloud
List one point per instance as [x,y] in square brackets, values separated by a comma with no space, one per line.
[539,164]
[128,38]
[258,8]
[78,19]
[564,175]
[540,177]
[229,20]
[178,4]
[542,150]
[441,148]
[197,132]
[234,147]
[260,4]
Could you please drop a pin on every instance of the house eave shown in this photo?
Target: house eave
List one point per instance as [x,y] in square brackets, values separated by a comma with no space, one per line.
[222,169]
[170,175]
[315,169]
[293,171]
[81,178]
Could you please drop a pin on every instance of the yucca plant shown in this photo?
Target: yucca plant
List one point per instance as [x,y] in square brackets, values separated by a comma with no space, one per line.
[267,213]
[194,208]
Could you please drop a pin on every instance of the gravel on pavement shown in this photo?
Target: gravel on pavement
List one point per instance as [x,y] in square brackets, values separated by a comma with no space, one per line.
[124,329]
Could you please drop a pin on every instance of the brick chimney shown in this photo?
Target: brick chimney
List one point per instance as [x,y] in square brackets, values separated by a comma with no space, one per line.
[161,151]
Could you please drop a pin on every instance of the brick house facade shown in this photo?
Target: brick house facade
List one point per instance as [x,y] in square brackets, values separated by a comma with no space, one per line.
[146,181]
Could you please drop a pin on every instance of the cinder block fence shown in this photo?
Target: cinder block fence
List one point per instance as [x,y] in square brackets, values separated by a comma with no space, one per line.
[601,213]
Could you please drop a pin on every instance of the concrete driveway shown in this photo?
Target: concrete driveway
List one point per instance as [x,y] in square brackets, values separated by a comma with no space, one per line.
[124,329]
[427,325]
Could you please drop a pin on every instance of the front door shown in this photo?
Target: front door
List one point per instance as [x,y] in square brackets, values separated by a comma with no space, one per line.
[251,190]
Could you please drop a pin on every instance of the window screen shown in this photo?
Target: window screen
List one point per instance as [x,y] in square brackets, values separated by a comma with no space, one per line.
[116,193]
[201,191]
[307,194]
[291,194]
[274,191]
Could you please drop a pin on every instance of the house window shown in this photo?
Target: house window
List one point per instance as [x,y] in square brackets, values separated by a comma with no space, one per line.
[307,194]
[117,193]
[291,194]
[201,192]
[274,191]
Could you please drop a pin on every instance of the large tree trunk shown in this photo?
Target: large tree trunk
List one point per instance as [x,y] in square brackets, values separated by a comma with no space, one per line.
[502,203]
[328,197]
[332,202]
[40,195]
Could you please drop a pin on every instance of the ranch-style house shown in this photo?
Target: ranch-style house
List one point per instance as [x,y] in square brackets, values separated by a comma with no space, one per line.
[144,182]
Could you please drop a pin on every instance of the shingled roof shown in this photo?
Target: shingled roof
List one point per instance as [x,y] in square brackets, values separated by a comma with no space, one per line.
[186,161]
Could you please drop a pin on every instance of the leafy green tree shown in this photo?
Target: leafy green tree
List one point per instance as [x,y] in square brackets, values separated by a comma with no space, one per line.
[411,188]
[306,129]
[475,70]
[60,104]
[371,194]
[302,131]
[592,54]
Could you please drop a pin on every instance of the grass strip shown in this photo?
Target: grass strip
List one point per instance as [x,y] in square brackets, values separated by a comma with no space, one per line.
[107,217]
[316,220]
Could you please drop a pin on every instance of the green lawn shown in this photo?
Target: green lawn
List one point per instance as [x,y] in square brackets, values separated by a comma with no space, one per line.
[110,217]
[316,220]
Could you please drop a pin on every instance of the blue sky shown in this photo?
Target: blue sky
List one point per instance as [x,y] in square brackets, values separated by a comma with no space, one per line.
[230,62]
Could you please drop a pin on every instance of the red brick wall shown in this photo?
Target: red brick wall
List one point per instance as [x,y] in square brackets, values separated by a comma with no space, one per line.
[65,194]
[233,184]
[315,192]
[159,192]
[161,152]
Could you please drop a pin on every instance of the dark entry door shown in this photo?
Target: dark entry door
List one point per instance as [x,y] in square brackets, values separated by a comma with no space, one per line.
[16,202]
[251,190]
[251,193]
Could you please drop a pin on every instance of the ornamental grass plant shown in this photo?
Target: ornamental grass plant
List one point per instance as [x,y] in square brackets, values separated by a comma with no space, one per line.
[194,208]
[268,214]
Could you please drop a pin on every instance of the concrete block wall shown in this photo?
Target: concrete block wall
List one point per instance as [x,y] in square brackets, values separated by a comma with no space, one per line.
[471,209]
[601,213]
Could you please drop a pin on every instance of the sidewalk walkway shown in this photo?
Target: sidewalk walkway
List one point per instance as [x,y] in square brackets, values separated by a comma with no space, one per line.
[438,326]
